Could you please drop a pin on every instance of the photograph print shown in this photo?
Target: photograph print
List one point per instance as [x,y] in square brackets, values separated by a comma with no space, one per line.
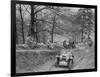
[51,37]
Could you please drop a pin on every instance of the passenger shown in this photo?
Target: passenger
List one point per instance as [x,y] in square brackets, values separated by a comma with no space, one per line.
[67,53]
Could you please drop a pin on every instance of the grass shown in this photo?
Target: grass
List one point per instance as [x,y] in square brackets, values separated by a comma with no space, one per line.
[28,61]
[84,60]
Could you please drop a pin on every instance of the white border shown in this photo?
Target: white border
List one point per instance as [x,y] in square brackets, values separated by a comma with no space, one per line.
[5,38]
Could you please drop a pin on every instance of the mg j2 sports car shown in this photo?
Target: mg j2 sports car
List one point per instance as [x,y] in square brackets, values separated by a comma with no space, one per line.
[65,60]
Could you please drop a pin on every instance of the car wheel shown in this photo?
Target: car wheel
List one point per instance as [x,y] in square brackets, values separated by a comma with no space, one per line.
[70,64]
[57,61]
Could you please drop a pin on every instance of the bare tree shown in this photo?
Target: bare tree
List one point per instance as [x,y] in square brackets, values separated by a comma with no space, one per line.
[86,16]
[22,23]
[53,28]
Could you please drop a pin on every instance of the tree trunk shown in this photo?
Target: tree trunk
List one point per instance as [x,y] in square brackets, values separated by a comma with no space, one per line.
[37,29]
[36,34]
[16,37]
[32,28]
[44,38]
[82,36]
[83,23]
[22,23]
[53,27]
[52,34]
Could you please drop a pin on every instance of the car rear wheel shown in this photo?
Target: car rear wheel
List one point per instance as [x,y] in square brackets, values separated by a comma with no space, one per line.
[70,64]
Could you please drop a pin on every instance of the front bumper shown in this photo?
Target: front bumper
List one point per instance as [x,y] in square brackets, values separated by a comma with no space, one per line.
[63,63]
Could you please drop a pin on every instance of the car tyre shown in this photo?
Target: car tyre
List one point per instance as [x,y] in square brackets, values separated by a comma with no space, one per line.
[70,64]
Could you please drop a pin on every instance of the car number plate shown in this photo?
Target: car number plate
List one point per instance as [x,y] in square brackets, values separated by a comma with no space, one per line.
[63,63]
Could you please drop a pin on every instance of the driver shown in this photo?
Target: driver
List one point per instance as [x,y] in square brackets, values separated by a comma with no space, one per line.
[66,53]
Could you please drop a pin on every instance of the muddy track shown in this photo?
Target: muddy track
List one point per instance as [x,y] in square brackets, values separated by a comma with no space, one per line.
[79,62]
[49,66]
[83,59]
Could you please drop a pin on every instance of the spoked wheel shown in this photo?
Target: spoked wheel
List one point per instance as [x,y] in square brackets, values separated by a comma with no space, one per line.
[70,64]
[57,62]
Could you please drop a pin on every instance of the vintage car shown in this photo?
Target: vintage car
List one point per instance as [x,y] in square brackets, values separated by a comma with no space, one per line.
[65,60]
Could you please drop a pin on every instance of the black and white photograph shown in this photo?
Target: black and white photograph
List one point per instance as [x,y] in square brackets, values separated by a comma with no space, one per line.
[54,38]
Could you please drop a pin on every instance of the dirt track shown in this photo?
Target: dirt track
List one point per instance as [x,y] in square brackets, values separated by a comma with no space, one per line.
[84,59]
[79,62]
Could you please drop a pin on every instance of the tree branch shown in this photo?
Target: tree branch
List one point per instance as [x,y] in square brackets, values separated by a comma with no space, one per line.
[26,9]
[43,20]
[40,10]
[36,11]
[44,30]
